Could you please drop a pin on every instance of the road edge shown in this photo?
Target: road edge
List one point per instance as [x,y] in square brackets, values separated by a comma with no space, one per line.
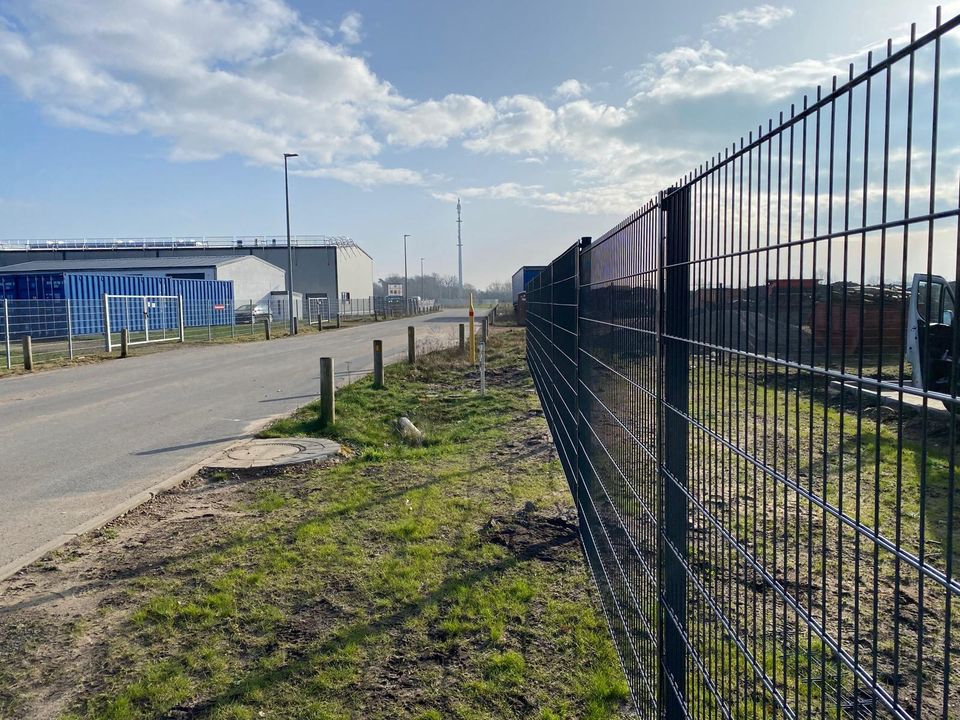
[144,496]
[122,508]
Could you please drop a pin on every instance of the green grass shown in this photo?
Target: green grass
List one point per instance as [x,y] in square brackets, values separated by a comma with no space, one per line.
[372,588]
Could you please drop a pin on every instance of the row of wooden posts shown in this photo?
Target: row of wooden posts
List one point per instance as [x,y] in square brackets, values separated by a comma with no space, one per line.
[27,340]
[328,391]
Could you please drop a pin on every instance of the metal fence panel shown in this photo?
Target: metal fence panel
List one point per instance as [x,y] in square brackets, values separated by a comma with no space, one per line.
[764,364]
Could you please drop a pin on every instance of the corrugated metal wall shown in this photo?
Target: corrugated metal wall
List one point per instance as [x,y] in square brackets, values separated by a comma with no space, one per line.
[37,300]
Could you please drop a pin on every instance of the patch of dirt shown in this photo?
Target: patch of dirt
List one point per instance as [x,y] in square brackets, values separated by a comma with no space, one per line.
[532,535]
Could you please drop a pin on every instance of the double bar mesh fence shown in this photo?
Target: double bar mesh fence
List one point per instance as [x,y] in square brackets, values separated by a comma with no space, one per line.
[75,329]
[752,386]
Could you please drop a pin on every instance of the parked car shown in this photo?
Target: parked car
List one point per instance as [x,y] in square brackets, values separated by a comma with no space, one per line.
[246,314]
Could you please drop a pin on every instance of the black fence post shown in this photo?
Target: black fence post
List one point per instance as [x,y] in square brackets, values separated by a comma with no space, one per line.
[581,427]
[675,368]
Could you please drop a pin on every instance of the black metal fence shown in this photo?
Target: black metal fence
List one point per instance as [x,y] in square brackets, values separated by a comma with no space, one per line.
[752,385]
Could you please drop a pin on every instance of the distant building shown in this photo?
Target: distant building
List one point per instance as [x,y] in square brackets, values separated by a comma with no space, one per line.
[322,266]
[253,279]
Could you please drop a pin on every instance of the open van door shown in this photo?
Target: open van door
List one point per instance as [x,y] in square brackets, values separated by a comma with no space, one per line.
[931,328]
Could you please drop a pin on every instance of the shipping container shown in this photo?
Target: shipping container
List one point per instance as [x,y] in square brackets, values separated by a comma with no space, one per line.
[39,301]
[521,277]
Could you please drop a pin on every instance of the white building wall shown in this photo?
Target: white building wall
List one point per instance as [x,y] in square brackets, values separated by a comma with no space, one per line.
[253,279]
[354,273]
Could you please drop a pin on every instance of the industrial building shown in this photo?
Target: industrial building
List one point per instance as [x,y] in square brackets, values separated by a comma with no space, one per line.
[253,279]
[323,267]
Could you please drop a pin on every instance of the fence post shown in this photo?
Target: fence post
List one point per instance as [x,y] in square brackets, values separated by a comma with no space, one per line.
[328,407]
[209,323]
[183,322]
[582,428]
[69,330]
[675,366]
[108,342]
[483,328]
[463,338]
[483,369]
[27,352]
[233,321]
[378,364]
[6,332]
[412,345]
[266,328]
[124,342]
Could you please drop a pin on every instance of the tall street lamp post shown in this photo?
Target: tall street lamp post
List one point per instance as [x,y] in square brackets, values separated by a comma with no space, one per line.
[406,295]
[421,278]
[286,192]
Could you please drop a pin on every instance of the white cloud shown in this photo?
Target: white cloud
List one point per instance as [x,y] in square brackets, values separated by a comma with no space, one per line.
[601,199]
[703,71]
[762,16]
[570,89]
[212,77]
[434,122]
[524,124]
[350,28]
[367,174]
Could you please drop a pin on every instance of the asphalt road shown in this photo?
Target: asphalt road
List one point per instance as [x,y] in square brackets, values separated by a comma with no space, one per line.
[76,442]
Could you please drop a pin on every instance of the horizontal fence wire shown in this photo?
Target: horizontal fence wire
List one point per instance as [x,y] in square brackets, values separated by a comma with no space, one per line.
[752,385]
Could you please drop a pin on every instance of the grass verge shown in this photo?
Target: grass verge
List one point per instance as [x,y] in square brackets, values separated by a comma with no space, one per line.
[430,581]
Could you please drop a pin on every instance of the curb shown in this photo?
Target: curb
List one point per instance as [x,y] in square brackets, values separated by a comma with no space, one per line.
[132,503]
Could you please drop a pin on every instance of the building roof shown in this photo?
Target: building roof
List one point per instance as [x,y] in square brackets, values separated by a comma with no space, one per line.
[84,264]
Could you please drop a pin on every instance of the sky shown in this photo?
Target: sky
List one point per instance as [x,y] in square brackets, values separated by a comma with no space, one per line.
[551,119]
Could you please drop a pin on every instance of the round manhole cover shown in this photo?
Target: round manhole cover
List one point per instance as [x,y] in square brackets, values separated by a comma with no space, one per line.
[275,452]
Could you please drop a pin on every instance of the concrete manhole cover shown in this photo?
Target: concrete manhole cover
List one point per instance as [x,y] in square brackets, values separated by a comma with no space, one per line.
[275,452]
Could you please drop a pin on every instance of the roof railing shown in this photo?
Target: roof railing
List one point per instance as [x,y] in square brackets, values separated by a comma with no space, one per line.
[162,243]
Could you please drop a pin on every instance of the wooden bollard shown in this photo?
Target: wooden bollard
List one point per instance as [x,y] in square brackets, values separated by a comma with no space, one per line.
[338,321]
[27,352]
[463,338]
[266,328]
[328,403]
[124,343]
[378,364]
[412,345]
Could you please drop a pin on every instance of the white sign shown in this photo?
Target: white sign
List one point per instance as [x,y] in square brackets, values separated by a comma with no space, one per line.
[395,290]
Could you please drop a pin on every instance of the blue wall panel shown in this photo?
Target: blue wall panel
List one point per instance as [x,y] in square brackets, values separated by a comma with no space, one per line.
[38,302]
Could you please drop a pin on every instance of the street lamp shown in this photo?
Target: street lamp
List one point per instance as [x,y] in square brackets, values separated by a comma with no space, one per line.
[421,278]
[406,295]
[286,192]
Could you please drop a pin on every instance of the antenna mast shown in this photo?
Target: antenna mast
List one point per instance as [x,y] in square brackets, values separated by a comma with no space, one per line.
[459,247]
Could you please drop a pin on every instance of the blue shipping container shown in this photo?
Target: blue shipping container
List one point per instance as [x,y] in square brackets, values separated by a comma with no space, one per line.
[38,302]
[522,276]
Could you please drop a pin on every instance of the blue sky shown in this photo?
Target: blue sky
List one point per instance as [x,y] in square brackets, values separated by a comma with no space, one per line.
[551,119]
